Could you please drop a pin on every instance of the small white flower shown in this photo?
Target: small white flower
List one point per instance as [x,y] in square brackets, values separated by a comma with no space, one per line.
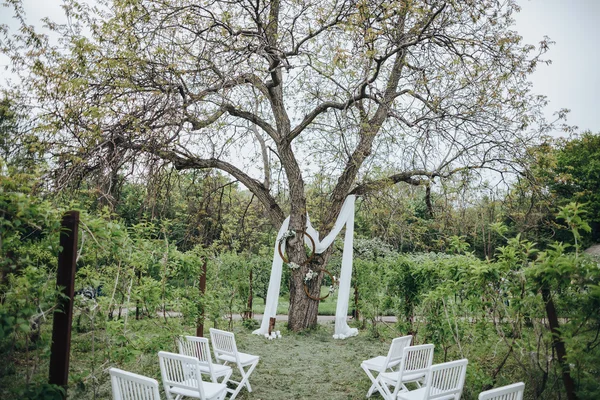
[293,265]
[288,235]
[310,275]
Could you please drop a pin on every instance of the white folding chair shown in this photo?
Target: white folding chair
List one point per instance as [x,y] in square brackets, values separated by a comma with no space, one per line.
[181,377]
[225,349]
[509,392]
[382,364]
[414,367]
[130,386]
[194,346]
[444,382]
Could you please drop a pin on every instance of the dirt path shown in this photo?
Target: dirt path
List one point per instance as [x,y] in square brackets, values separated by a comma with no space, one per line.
[321,319]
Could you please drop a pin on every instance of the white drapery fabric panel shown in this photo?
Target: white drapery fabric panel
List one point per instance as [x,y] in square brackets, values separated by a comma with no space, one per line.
[345,218]
[274,283]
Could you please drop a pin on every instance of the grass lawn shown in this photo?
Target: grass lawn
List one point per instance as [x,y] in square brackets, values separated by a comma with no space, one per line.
[306,365]
[309,365]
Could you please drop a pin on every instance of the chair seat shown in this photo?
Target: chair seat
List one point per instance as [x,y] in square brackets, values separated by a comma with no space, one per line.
[218,369]
[377,363]
[419,394]
[392,376]
[211,390]
[245,359]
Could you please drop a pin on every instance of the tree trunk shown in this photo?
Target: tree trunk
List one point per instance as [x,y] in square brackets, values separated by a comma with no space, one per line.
[558,343]
[249,313]
[202,290]
[303,310]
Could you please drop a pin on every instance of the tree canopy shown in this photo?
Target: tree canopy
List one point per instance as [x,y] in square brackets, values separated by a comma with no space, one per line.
[370,93]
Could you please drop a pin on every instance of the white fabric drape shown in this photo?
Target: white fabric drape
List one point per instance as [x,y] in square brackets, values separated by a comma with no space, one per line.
[346,218]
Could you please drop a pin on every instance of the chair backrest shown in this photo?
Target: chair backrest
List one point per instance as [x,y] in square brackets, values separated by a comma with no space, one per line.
[223,342]
[416,360]
[397,349]
[130,386]
[194,346]
[509,392]
[181,371]
[446,379]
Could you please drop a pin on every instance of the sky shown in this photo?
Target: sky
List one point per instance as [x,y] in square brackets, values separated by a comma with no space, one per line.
[572,80]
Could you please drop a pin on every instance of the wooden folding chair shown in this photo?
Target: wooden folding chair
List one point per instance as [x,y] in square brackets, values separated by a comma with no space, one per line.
[382,364]
[414,367]
[130,386]
[444,382]
[198,347]
[181,377]
[508,392]
[225,350]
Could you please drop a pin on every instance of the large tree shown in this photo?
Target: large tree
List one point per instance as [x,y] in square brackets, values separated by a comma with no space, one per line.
[370,92]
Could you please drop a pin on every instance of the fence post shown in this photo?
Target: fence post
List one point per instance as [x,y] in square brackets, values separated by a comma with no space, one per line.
[63,316]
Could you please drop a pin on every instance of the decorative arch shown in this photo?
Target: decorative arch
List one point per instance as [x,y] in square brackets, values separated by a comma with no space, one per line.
[345,218]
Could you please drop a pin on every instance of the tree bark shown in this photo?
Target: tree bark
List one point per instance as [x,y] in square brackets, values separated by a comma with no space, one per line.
[558,343]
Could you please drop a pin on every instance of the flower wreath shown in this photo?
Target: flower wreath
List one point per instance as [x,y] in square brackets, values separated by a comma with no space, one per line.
[291,234]
[310,275]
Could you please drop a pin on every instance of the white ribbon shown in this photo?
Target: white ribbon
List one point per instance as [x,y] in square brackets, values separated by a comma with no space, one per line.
[345,218]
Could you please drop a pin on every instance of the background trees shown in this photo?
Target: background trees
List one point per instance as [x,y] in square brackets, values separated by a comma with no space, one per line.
[577,176]
[186,131]
[371,93]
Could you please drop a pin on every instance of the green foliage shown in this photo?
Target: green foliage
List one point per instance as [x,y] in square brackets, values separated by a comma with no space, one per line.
[28,250]
[577,173]
[492,312]
[44,391]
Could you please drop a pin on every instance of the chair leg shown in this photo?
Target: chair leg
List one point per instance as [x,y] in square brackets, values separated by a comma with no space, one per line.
[244,381]
[248,373]
[385,391]
[168,392]
[375,386]
[225,377]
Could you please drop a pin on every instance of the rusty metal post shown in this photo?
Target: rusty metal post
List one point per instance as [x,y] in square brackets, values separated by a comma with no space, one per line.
[63,316]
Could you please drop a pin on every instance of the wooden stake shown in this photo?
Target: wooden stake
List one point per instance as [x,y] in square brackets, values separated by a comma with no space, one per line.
[271,325]
[63,316]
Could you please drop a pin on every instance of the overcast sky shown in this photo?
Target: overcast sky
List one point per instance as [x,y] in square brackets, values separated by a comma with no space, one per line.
[572,80]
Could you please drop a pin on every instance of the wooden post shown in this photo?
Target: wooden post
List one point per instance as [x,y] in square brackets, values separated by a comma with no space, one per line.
[63,316]
[271,325]
[202,287]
